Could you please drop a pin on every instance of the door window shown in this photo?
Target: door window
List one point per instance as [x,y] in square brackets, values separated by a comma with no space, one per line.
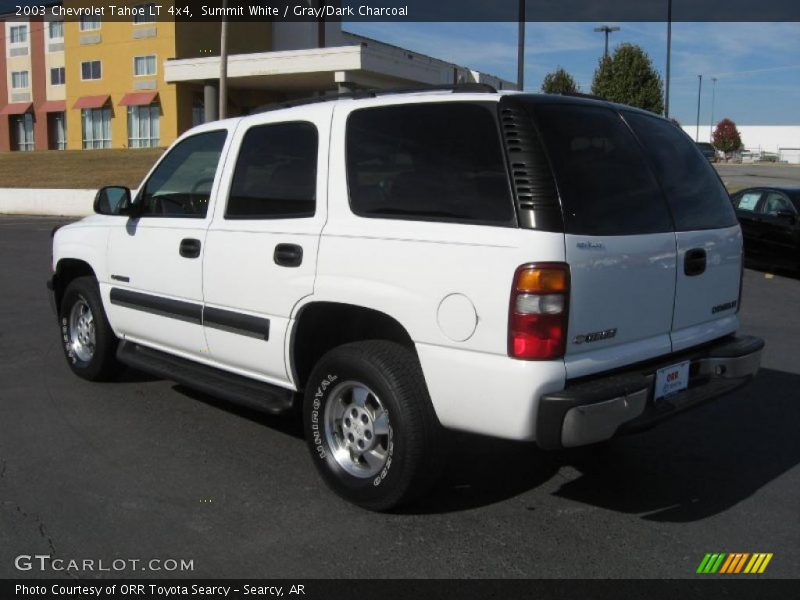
[774,203]
[276,173]
[747,202]
[181,184]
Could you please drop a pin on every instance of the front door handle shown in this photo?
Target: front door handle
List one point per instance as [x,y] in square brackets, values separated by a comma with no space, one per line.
[190,248]
[288,255]
[694,263]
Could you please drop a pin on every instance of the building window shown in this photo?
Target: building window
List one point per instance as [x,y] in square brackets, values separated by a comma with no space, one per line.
[147,17]
[19,80]
[22,127]
[144,65]
[144,128]
[91,69]
[57,76]
[89,23]
[96,128]
[18,34]
[56,30]
[198,113]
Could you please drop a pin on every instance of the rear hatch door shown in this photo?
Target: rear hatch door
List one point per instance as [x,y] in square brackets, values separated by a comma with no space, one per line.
[619,237]
[708,237]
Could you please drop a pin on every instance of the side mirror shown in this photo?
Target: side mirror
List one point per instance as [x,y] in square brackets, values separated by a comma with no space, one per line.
[786,215]
[112,200]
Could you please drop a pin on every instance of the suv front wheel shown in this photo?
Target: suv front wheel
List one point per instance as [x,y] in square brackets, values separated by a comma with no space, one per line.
[88,341]
[370,424]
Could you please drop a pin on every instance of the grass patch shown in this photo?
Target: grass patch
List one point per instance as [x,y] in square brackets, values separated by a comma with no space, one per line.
[78,169]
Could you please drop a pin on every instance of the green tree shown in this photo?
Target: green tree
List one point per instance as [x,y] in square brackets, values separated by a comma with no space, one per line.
[559,82]
[628,77]
[726,137]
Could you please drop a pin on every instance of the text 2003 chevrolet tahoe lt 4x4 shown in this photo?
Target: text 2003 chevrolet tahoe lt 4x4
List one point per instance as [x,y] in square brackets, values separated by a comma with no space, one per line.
[529,267]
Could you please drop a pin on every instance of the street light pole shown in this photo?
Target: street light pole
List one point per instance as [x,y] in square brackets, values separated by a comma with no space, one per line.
[713,94]
[606,29]
[521,47]
[223,63]
[669,56]
[699,88]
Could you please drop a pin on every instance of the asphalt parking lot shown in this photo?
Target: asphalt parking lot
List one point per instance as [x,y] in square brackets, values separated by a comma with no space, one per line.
[741,176]
[143,468]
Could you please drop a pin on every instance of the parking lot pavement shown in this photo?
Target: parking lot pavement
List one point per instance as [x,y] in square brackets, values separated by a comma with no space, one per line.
[143,468]
[741,176]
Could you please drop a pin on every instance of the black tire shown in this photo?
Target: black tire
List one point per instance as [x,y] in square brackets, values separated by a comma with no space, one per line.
[101,363]
[413,446]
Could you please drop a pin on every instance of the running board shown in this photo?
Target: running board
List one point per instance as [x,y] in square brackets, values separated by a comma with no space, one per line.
[253,394]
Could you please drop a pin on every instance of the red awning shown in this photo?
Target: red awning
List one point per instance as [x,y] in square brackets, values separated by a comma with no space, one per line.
[16,109]
[138,99]
[91,101]
[49,106]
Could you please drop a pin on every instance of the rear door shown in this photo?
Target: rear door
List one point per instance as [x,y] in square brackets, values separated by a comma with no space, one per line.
[707,234]
[261,248]
[779,225]
[619,238]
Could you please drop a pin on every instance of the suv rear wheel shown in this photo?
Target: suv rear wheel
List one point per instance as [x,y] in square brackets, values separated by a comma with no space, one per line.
[370,424]
[87,339]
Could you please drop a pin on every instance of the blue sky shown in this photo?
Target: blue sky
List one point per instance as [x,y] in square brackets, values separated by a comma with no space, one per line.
[757,65]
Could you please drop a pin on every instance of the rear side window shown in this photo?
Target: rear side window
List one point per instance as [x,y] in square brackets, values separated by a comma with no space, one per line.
[276,173]
[605,185]
[747,201]
[695,194]
[430,162]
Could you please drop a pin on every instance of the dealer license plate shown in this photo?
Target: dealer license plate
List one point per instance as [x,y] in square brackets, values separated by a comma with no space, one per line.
[672,379]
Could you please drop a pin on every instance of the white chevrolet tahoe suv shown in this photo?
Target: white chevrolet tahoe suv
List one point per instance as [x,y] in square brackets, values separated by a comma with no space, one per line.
[532,267]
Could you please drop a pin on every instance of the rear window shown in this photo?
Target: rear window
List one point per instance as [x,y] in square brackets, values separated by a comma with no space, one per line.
[695,194]
[605,185]
[430,162]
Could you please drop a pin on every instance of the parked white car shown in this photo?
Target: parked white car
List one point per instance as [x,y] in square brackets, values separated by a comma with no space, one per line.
[531,267]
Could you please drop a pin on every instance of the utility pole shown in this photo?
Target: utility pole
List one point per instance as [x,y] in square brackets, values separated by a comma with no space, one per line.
[699,88]
[669,57]
[521,47]
[223,63]
[713,94]
[606,29]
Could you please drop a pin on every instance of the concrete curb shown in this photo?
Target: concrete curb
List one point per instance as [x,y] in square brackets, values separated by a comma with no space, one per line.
[49,202]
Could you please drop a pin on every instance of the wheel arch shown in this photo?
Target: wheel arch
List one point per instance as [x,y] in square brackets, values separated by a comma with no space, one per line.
[321,326]
[67,270]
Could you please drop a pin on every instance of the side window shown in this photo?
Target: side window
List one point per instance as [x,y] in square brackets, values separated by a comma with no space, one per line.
[428,162]
[181,184]
[605,184]
[774,203]
[747,202]
[276,173]
[695,194]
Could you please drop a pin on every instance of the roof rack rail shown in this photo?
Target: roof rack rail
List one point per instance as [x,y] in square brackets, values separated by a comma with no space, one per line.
[581,95]
[459,88]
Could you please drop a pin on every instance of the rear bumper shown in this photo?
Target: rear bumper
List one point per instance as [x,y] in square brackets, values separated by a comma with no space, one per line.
[596,409]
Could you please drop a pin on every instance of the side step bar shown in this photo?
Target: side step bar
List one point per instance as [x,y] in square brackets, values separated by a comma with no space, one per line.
[234,388]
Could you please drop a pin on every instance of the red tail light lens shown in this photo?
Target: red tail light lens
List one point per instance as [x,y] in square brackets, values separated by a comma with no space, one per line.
[538,311]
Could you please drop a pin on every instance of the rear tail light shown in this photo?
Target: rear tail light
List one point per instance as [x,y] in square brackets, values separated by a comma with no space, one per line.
[741,282]
[538,311]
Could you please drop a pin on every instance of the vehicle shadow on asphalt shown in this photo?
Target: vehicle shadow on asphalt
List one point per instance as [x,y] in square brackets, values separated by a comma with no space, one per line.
[691,467]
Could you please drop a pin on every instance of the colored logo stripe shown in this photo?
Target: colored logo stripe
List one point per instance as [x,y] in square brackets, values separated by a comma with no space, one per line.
[734,562]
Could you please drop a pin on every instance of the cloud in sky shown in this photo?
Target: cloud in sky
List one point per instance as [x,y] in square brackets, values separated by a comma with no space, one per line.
[757,64]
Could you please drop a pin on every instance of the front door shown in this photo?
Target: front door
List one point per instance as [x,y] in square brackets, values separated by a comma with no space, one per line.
[155,260]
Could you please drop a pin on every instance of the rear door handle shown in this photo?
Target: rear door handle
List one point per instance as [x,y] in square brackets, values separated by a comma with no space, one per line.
[190,248]
[694,263]
[288,255]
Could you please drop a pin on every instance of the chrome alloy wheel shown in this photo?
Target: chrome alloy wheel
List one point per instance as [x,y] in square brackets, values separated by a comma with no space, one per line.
[357,429]
[81,330]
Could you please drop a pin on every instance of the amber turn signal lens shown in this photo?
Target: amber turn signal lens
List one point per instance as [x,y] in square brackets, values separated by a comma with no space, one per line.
[542,281]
